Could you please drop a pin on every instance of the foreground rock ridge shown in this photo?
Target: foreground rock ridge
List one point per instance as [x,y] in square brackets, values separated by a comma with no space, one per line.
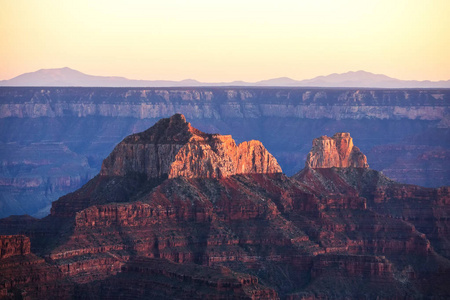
[337,151]
[172,147]
[180,214]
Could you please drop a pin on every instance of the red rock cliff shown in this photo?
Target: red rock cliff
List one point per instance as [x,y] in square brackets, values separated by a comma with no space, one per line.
[11,245]
[172,147]
[337,151]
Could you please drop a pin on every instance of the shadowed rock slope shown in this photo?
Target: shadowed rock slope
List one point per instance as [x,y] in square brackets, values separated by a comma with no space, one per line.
[180,214]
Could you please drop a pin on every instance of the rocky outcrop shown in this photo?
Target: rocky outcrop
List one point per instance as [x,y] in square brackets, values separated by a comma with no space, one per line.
[162,232]
[426,209]
[248,222]
[337,151]
[173,148]
[80,127]
[24,275]
[11,245]
[162,279]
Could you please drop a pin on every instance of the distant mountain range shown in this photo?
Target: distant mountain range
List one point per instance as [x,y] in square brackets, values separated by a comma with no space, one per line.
[70,77]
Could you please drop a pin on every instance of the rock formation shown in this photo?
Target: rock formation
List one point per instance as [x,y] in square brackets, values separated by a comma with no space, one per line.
[224,102]
[172,147]
[11,245]
[76,128]
[427,209]
[157,230]
[337,151]
[160,279]
[24,275]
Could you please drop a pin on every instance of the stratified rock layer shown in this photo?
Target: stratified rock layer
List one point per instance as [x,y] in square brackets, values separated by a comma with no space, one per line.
[337,151]
[11,245]
[24,275]
[76,128]
[161,279]
[327,233]
[172,147]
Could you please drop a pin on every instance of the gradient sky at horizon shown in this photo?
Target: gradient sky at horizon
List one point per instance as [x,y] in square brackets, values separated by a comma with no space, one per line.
[213,41]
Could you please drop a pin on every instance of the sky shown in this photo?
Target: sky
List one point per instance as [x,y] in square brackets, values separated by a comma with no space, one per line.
[221,41]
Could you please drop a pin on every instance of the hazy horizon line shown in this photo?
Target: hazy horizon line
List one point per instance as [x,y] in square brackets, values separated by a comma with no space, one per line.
[227,81]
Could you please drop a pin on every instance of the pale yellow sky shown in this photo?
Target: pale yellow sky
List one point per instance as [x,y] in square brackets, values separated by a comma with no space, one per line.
[229,40]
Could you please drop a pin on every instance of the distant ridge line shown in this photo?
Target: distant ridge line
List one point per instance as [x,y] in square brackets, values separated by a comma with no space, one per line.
[67,77]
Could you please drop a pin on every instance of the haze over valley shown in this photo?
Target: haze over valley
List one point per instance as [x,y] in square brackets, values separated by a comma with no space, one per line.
[54,139]
[263,150]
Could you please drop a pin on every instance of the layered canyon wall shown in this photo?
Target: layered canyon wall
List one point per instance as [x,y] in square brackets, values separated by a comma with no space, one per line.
[222,103]
[338,230]
[53,140]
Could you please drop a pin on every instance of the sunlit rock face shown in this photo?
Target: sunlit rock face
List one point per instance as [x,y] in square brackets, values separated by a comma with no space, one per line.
[173,148]
[75,128]
[337,151]
[188,215]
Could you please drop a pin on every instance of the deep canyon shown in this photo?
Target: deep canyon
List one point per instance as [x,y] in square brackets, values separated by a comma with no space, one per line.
[177,213]
[53,140]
